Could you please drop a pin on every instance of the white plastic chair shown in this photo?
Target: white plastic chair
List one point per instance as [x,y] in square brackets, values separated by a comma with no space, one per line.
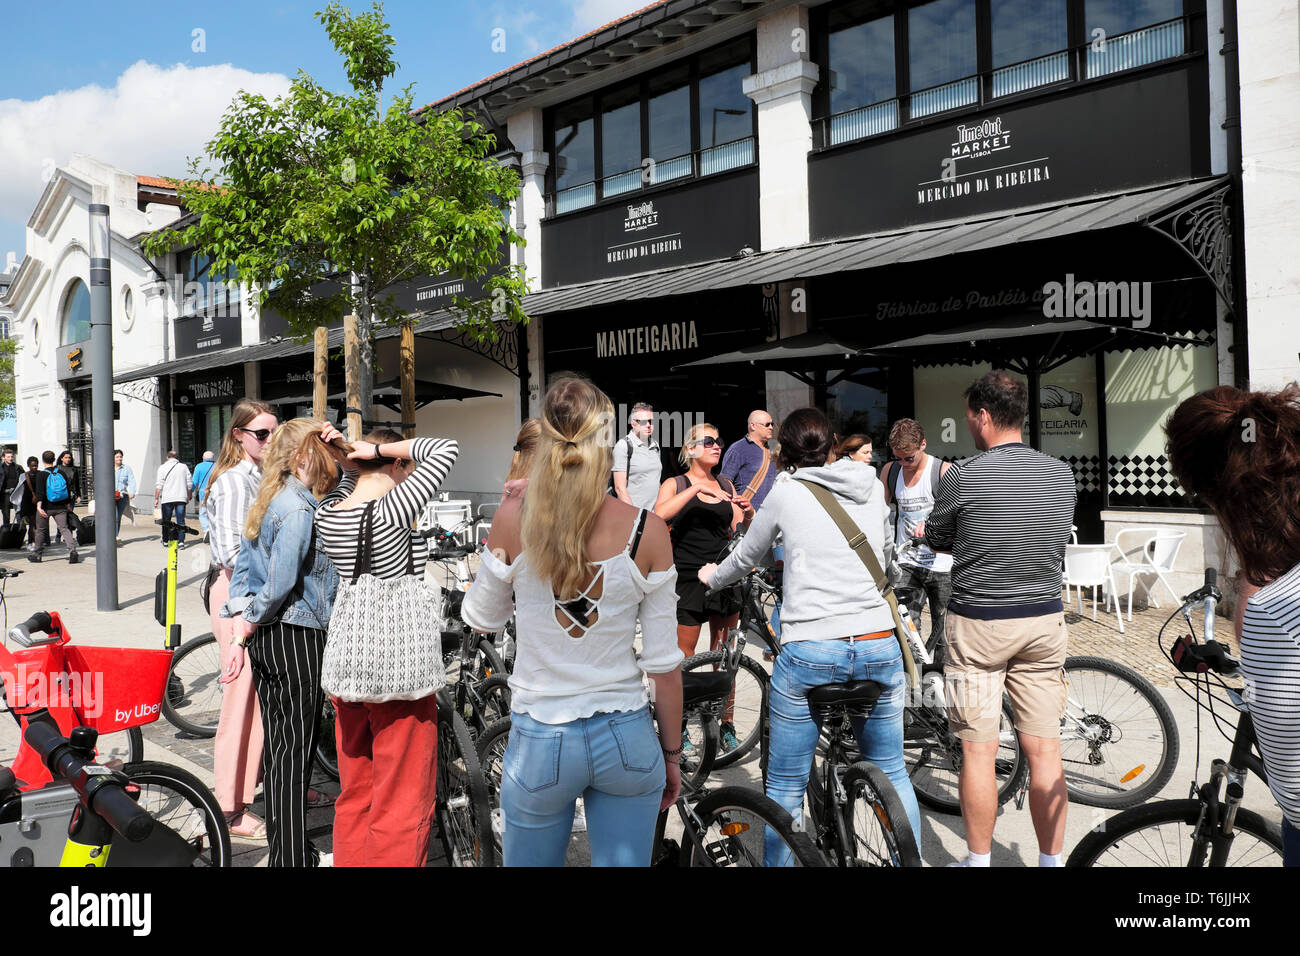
[483,526]
[1155,555]
[1088,566]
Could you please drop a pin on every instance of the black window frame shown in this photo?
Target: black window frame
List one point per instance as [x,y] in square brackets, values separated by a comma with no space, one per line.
[643,81]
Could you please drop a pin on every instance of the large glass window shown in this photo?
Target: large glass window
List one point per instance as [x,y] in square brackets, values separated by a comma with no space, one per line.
[1123,34]
[669,111]
[75,323]
[1030,38]
[942,56]
[575,157]
[863,80]
[726,119]
[620,141]
[204,286]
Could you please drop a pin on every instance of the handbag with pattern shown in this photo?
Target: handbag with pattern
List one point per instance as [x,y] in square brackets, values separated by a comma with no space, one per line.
[385,634]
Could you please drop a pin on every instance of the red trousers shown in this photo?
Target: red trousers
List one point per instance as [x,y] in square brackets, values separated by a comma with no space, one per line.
[388,757]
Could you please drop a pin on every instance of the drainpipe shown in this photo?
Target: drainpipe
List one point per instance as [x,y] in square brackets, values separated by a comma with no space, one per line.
[1232,124]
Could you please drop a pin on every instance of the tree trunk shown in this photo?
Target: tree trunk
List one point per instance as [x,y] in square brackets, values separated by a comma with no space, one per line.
[408,378]
[365,336]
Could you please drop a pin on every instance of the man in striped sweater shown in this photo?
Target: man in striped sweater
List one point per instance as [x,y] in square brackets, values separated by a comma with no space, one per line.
[1005,515]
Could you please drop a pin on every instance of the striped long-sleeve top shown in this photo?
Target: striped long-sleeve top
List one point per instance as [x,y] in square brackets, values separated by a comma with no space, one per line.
[1270,657]
[1005,515]
[395,513]
[227,505]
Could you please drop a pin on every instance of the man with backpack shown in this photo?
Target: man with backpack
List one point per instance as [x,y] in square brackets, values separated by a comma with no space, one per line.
[54,500]
[912,482]
[637,465]
[173,488]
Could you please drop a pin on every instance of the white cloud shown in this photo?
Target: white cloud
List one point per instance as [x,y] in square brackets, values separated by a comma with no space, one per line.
[590,14]
[149,123]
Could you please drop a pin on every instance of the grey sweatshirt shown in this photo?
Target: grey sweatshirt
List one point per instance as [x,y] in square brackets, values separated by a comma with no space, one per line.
[828,592]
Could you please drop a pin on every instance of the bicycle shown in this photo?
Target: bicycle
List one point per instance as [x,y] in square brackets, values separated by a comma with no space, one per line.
[860,819]
[194,830]
[462,804]
[1205,829]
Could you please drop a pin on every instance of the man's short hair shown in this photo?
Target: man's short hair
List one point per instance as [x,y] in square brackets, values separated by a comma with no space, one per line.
[47,457]
[208,456]
[1005,399]
[906,434]
[642,407]
[171,453]
[32,460]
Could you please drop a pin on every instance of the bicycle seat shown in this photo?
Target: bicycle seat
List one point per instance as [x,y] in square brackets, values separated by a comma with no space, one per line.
[700,686]
[857,695]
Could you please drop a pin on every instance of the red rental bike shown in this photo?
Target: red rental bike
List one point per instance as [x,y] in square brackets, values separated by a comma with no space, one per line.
[108,690]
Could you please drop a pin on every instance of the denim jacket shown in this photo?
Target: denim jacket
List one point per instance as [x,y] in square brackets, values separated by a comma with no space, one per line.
[285,575]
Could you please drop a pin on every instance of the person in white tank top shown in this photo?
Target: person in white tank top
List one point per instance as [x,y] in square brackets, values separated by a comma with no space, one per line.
[912,483]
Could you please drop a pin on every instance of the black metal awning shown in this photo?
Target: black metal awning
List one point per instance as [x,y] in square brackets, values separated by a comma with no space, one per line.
[1190,214]
[389,394]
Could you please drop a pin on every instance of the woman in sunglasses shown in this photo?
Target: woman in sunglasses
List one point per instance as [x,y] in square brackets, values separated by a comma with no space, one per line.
[701,511]
[232,489]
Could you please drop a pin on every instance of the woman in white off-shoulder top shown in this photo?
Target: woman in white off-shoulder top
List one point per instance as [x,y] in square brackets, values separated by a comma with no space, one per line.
[579,568]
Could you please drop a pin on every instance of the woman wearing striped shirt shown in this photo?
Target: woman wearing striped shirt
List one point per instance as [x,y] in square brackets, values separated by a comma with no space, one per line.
[237,750]
[387,748]
[1240,453]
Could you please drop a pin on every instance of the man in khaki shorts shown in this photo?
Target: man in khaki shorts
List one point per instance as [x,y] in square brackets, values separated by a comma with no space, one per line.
[1005,515]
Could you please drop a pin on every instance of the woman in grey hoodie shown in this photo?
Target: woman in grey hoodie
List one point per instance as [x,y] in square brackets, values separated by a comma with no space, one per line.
[835,626]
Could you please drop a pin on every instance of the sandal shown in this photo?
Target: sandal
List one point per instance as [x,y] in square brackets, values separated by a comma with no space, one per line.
[250,827]
[316,799]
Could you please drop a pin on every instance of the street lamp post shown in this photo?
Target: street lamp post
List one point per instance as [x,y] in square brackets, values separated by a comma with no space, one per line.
[101,401]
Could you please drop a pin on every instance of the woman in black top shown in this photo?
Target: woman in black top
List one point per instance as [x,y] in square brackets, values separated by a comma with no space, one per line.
[701,512]
[72,475]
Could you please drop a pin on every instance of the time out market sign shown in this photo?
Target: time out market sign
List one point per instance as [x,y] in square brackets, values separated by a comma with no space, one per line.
[978,162]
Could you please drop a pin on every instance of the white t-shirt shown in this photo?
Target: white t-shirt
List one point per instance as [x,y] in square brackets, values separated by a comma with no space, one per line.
[174,480]
[914,506]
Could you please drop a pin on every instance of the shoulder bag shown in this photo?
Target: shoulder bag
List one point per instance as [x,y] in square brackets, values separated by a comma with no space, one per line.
[904,629]
[385,634]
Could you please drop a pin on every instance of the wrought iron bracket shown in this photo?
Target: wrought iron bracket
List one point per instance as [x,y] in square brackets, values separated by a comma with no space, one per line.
[142,390]
[504,351]
[1203,230]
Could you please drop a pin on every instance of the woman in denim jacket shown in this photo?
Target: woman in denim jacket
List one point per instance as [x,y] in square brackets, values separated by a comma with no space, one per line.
[281,595]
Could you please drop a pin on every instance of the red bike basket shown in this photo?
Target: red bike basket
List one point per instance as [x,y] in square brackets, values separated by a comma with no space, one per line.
[130,691]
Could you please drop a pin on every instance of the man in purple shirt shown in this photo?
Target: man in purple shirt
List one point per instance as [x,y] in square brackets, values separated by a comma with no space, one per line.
[748,463]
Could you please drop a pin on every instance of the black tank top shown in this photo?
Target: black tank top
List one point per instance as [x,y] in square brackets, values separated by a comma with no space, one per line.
[701,530]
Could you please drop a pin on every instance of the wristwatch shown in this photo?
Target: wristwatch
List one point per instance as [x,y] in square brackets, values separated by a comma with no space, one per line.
[238,639]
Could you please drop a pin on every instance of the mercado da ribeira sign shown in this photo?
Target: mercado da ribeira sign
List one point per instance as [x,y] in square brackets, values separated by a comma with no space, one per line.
[1064,145]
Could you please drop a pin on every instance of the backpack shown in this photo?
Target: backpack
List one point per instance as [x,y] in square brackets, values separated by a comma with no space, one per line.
[895,480]
[56,487]
[627,469]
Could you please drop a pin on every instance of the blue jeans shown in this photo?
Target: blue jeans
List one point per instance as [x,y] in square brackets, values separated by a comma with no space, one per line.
[175,511]
[119,507]
[803,665]
[1290,844]
[613,761]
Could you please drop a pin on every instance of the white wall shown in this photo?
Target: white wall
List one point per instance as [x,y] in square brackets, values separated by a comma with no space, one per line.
[1269,39]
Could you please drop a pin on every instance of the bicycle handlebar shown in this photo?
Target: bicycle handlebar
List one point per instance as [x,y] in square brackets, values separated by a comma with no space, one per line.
[101,789]
[22,633]
[447,554]
[1193,658]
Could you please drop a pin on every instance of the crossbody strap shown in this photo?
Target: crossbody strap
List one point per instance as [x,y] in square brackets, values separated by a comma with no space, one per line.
[635,541]
[757,481]
[855,536]
[366,542]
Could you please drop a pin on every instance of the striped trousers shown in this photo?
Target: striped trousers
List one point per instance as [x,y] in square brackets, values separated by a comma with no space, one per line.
[286,663]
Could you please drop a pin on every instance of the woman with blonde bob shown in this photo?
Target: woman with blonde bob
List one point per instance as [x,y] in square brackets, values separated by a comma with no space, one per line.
[280,596]
[579,568]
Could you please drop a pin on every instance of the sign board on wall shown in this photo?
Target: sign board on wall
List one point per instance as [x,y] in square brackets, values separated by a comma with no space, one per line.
[712,218]
[1088,140]
[218,387]
[219,328]
[73,360]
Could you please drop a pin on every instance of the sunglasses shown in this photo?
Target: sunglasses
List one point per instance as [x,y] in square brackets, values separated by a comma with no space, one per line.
[708,442]
[261,434]
[642,421]
[763,424]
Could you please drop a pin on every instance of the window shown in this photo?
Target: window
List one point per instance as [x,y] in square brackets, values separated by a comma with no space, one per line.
[205,287]
[669,107]
[1123,34]
[4,326]
[620,141]
[76,314]
[942,56]
[863,79]
[575,157]
[725,122]
[1030,40]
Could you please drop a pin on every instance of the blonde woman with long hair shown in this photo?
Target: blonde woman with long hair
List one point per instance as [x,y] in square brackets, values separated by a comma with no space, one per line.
[579,568]
[282,591]
[232,488]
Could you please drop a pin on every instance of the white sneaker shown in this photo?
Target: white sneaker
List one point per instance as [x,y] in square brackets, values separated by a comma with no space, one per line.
[326,859]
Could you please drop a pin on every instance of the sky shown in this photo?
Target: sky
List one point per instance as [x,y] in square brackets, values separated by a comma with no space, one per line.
[143,86]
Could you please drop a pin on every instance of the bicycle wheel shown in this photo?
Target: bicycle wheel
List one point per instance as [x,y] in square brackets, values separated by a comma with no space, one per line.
[1162,834]
[192,700]
[121,748]
[699,760]
[875,820]
[487,662]
[732,823]
[462,808]
[179,801]
[933,755]
[494,693]
[747,703]
[491,751]
[1119,745]
[327,750]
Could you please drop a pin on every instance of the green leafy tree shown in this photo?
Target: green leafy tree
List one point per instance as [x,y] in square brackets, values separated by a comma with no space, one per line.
[327,188]
[8,349]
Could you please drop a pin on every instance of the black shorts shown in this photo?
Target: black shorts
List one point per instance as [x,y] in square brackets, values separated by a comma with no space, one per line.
[695,606]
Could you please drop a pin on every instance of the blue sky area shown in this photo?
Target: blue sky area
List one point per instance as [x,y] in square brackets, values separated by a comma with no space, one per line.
[137,86]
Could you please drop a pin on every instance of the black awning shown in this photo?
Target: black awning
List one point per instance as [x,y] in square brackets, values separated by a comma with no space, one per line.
[795,354]
[1152,207]
[389,394]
